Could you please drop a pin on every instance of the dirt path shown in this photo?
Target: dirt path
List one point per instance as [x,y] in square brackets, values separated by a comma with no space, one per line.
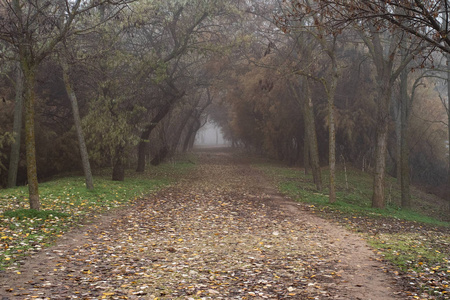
[223,233]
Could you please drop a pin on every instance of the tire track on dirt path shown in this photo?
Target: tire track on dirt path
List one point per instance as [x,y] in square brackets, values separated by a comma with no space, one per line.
[222,233]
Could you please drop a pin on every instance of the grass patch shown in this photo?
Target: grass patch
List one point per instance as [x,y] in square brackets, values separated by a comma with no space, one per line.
[417,241]
[65,202]
[21,214]
[413,251]
[354,195]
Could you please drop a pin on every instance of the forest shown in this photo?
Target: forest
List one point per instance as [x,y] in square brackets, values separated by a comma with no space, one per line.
[121,84]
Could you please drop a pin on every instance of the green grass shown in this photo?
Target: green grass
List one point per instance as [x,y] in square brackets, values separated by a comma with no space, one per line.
[419,242]
[413,251]
[353,196]
[65,202]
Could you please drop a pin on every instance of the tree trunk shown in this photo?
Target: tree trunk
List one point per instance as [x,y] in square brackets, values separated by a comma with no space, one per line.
[142,149]
[404,152]
[145,135]
[398,132]
[160,156]
[448,126]
[312,137]
[17,130]
[332,152]
[30,144]
[190,133]
[77,121]
[118,173]
[381,144]
[306,153]
[332,131]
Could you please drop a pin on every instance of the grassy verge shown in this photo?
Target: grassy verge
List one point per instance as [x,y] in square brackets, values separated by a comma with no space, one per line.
[416,241]
[66,202]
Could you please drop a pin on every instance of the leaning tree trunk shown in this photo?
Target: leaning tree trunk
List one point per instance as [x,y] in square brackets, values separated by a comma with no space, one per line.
[145,135]
[189,135]
[17,130]
[312,137]
[77,121]
[30,99]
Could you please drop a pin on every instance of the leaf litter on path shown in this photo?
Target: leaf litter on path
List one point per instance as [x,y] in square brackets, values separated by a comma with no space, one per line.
[223,233]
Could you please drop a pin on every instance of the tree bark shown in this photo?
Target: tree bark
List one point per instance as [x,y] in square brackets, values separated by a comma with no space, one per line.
[448,125]
[404,145]
[332,151]
[312,136]
[30,99]
[381,145]
[17,130]
[77,121]
[332,130]
[398,146]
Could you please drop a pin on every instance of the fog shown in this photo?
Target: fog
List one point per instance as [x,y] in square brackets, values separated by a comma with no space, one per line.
[210,135]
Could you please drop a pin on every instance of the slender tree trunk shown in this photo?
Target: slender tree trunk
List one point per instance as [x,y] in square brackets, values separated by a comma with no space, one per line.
[77,121]
[448,125]
[17,130]
[381,144]
[312,137]
[332,152]
[398,148]
[404,163]
[30,144]
[332,131]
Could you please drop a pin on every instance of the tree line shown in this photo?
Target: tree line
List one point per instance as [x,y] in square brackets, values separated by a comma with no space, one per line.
[119,83]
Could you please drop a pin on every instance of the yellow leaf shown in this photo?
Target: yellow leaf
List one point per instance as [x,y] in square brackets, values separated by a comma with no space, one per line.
[107,294]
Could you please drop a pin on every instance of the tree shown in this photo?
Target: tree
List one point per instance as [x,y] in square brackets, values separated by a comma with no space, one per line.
[77,120]
[447,108]
[308,17]
[427,20]
[33,29]
[186,29]
[17,130]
